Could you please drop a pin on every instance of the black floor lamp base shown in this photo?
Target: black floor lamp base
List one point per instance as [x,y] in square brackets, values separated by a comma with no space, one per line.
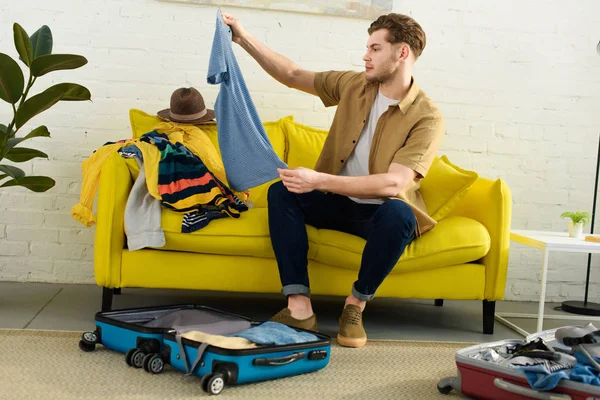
[579,307]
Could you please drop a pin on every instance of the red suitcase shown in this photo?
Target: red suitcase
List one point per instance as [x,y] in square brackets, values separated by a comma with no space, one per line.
[479,379]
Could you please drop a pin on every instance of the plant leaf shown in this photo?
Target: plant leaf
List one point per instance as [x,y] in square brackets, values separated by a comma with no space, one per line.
[22,154]
[55,62]
[23,44]
[33,183]
[35,105]
[2,176]
[14,172]
[11,79]
[49,97]
[73,92]
[40,131]
[41,42]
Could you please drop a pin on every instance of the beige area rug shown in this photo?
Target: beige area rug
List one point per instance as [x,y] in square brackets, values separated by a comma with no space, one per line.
[49,365]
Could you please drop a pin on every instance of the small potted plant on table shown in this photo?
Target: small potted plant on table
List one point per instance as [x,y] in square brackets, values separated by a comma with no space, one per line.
[577,220]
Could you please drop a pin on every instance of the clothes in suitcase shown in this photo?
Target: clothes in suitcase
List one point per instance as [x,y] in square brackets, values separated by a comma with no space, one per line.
[496,370]
[219,347]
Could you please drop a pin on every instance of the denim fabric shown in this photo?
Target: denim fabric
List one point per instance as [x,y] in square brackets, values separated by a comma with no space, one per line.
[248,155]
[274,333]
[388,228]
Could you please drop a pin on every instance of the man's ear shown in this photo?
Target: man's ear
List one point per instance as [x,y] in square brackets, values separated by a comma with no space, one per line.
[404,52]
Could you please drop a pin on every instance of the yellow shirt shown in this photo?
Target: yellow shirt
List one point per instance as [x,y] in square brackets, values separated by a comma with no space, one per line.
[408,133]
[90,170]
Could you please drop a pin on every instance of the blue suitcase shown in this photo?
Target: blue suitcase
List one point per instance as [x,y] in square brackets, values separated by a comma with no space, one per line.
[149,345]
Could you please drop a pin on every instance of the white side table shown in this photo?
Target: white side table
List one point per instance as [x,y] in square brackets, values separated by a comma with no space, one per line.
[547,242]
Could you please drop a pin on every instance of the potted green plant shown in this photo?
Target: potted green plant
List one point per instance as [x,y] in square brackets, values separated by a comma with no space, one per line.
[577,220]
[36,53]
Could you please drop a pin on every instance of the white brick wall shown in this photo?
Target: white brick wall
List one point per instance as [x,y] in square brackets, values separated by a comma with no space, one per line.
[518,82]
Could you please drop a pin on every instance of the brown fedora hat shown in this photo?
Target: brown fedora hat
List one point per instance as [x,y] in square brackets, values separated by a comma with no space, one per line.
[187,107]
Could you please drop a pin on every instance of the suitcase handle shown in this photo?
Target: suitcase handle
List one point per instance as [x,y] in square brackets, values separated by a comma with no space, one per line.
[523,391]
[276,362]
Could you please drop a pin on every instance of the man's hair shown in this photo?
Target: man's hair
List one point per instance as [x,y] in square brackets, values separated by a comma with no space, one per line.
[401,28]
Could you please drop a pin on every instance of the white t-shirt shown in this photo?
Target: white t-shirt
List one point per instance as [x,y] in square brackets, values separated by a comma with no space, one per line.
[358,162]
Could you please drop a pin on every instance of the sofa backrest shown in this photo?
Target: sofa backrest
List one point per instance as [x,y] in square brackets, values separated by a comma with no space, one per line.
[304,144]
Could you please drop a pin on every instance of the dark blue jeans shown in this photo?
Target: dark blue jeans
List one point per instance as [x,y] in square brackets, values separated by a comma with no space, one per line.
[388,228]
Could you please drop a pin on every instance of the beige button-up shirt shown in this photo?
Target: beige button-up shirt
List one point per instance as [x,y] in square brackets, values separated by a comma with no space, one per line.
[408,133]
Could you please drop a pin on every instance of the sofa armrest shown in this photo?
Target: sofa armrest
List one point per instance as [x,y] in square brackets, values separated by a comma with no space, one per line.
[115,184]
[490,203]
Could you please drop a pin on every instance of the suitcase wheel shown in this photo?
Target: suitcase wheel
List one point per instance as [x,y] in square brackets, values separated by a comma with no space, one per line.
[88,341]
[86,346]
[445,385]
[90,337]
[214,384]
[128,356]
[153,363]
[135,358]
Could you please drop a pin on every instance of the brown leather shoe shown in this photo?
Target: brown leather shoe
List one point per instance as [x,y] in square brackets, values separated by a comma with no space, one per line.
[352,333]
[285,317]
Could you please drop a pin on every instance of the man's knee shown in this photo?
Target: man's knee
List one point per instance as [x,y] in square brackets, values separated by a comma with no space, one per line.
[277,191]
[396,215]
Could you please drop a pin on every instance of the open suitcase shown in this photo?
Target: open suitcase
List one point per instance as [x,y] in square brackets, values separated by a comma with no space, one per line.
[151,337]
[480,379]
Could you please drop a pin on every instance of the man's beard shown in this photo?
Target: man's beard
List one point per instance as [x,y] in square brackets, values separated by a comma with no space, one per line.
[381,77]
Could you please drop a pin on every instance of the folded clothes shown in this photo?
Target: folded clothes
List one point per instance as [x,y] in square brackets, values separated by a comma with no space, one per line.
[225,342]
[274,333]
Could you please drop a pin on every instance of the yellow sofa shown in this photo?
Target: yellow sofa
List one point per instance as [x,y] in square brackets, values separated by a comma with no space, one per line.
[464,257]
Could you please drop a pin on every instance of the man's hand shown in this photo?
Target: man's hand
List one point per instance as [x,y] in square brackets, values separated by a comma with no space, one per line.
[300,180]
[236,27]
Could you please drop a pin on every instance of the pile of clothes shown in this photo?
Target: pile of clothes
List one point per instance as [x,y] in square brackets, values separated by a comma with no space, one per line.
[179,169]
[575,357]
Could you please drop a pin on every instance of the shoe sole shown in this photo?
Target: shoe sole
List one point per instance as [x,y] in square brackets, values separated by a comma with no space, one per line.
[351,342]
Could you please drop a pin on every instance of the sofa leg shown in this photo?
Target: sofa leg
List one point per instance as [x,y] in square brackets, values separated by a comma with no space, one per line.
[117,290]
[439,302]
[107,296]
[489,310]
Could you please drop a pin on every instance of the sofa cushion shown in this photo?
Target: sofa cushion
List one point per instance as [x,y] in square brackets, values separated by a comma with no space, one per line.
[454,240]
[304,144]
[142,122]
[244,236]
[444,186]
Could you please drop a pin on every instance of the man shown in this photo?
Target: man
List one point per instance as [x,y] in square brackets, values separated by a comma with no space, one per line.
[382,141]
